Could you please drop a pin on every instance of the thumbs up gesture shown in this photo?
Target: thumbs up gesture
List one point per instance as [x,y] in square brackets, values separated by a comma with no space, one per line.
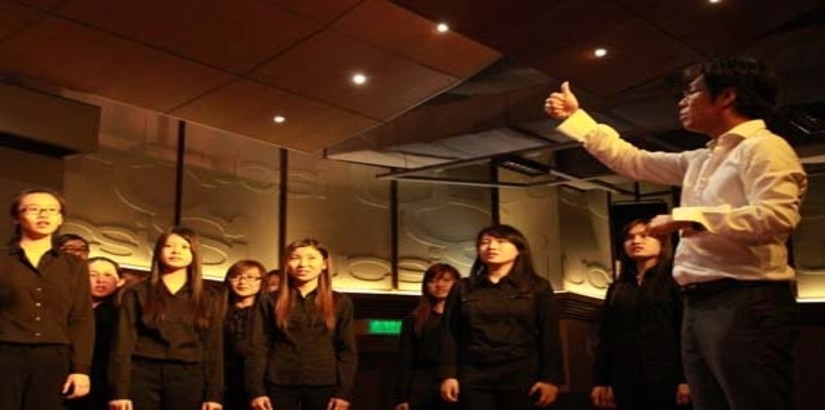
[560,105]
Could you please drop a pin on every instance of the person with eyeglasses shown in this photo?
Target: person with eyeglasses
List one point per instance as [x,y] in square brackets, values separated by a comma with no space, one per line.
[46,320]
[167,353]
[244,286]
[740,201]
[73,244]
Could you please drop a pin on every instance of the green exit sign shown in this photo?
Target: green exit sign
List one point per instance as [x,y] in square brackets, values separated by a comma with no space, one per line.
[383,327]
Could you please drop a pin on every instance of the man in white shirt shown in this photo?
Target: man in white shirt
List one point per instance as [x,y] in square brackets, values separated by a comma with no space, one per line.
[740,202]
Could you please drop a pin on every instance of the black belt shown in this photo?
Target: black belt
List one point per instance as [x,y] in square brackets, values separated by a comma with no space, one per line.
[713,287]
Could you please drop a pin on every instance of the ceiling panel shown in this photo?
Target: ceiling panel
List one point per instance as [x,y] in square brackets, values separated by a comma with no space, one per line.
[75,57]
[248,108]
[628,64]
[472,17]
[324,11]
[234,35]
[42,4]
[394,29]
[716,28]
[14,17]
[432,122]
[321,68]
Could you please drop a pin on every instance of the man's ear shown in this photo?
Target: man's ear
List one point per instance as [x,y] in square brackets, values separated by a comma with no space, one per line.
[727,97]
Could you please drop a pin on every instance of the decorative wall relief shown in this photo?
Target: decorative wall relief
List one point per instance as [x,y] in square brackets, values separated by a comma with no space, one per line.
[808,242]
[345,207]
[586,241]
[438,223]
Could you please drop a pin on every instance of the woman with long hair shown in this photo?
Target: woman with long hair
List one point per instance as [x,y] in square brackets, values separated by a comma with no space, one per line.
[638,361]
[421,338]
[502,348]
[244,286]
[168,349]
[303,352]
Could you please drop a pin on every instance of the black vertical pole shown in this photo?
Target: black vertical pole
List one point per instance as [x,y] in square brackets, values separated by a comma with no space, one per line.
[394,217]
[494,196]
[614,235]
[284,162]
[179,169]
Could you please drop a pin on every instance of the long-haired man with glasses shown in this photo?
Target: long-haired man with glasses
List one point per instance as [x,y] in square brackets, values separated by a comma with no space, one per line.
[740,202]
[46,319]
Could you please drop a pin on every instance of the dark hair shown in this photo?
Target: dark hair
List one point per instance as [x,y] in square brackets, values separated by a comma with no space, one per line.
[14,208]
[324,298]
[523,271]
[425,305]
[628,266]
[156,304]
[237,269]
[66,237]
[755,84]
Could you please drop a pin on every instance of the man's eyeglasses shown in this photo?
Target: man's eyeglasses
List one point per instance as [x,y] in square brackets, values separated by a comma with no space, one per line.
[244,278]
[36,210]
[689,92]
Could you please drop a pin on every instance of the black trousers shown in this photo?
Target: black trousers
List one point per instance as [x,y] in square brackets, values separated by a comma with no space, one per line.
[476,398]
[428,397]
[299,397]
[499,387]
[162,385]
[32,376]
[738,343]
[645,396]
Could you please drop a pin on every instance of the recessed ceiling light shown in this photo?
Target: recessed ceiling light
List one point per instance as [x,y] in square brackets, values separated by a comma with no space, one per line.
[714,1]
[359,79]
[279,119]
[442,28]
[600,52]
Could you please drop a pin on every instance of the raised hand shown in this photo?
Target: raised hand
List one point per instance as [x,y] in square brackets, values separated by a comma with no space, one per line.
[560,105]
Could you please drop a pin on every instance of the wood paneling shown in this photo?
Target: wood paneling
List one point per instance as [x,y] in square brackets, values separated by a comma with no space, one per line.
[321,68]
[248,108]
[82,59]
[14,17]
[394,29]
[235,35]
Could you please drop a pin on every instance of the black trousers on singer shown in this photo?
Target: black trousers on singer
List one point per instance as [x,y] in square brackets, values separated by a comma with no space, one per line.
[32,376]
[164,385]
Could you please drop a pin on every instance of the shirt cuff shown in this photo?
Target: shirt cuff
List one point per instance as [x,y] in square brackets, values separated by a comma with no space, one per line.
[696,215]
[578,125]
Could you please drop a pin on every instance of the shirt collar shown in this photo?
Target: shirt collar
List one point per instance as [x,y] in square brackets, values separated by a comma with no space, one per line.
[741,131]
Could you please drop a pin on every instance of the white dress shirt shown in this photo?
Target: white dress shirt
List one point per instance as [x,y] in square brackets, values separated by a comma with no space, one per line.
[745,189]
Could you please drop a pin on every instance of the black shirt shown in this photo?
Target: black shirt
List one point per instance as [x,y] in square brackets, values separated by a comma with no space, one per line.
[500,329]
[640,333]
[420,354]
[47,304]
[175,339]
[105,326]
[237,332]
[306,353]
